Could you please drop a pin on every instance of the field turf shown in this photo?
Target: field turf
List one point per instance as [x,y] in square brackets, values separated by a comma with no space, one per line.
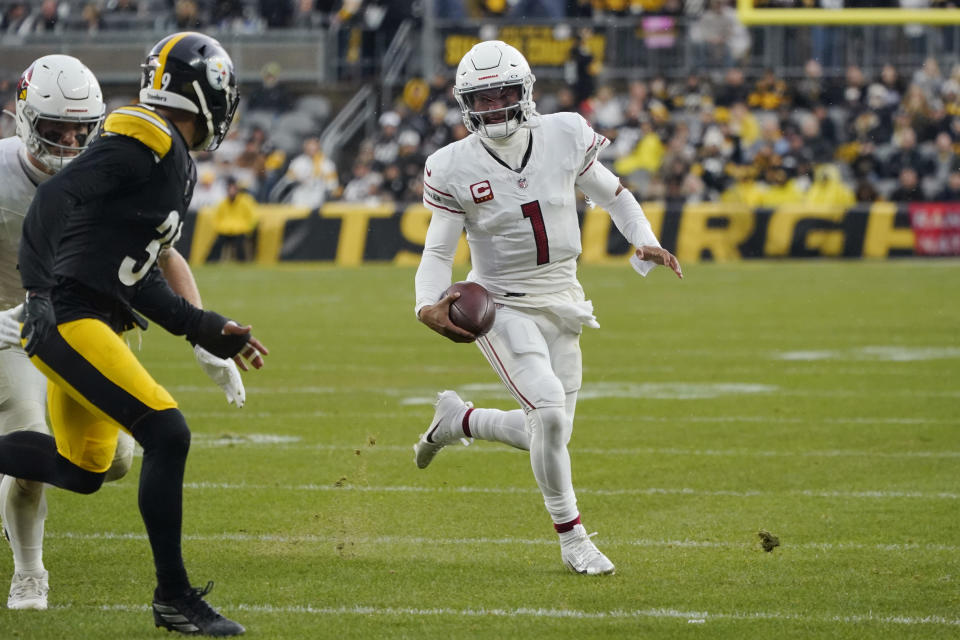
[816,400]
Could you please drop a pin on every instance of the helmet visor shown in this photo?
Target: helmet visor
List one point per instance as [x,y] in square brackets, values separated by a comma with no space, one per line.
[494,105]
[58,140]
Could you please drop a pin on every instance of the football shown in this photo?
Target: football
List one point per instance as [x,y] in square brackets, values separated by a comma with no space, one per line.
[474,310]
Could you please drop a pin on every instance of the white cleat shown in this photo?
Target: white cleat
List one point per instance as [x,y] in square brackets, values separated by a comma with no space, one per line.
[582,556]
[444,429]
[28,591]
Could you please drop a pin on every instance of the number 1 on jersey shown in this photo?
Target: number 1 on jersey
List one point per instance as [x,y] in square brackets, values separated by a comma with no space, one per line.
[531,210]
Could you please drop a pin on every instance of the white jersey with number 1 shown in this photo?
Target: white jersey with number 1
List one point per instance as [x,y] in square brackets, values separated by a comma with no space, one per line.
[522,225]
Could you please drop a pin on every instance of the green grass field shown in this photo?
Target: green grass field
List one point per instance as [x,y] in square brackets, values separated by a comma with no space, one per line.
[817,400]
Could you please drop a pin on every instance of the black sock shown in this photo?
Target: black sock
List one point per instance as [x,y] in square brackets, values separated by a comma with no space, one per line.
[30,455]
[165,439]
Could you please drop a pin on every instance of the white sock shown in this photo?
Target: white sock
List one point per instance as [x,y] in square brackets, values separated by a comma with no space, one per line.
[574,534]
[24,509]
[508,427]
[549,433]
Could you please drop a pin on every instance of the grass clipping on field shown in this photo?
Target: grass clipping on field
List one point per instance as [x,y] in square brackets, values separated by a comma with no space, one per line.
[767,540]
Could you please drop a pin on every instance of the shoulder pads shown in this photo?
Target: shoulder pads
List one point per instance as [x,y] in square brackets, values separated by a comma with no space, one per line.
[141,124]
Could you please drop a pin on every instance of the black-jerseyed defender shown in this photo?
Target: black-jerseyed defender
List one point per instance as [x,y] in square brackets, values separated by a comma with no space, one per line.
[91,241]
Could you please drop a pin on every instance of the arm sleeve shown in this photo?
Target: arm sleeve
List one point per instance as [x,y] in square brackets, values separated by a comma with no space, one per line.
[436,265]
[443,234]
[600,185]
[109,164]
[156,300]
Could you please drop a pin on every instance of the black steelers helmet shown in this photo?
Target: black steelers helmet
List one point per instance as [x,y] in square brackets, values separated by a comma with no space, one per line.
[192,72]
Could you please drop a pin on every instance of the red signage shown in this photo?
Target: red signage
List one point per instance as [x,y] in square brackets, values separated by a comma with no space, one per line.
[936,227]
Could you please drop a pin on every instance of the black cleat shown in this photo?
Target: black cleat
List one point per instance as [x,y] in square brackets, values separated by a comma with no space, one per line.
[190,614]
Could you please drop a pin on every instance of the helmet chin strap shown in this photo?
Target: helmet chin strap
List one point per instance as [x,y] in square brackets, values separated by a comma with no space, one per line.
[37,168]
[206,114]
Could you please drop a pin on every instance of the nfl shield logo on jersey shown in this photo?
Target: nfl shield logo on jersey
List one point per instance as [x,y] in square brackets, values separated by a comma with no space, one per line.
[481,191]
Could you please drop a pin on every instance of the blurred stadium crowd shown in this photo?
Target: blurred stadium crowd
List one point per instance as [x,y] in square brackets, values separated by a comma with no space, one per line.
[725,134]
[255,15]
[93,16]
[758,141]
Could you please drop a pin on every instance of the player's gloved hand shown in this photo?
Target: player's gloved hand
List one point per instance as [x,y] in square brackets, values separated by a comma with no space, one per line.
[10,327]
[225,373]
[224,338]
[252,354]
[38,320]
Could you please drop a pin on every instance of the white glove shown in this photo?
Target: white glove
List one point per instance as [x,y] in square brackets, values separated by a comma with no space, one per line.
[10,327]
[225,373]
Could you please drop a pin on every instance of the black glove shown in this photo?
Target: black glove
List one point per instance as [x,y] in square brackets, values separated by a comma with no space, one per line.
[208,333]
[38,320]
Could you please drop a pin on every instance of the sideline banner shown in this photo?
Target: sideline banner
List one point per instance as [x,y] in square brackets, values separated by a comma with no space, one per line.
[350,234]
[937,228]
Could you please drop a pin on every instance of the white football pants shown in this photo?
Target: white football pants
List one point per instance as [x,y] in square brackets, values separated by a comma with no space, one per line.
[539,361]
[23,507]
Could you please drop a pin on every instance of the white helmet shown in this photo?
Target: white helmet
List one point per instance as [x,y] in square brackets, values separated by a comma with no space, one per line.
[61,89]
[489,65]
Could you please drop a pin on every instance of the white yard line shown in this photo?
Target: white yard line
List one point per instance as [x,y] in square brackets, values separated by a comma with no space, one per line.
[876,353]
[586,416]
[511,541]
[639,491]
[293,442]
[534,612]
[673,392]
[697,617]
[265,391]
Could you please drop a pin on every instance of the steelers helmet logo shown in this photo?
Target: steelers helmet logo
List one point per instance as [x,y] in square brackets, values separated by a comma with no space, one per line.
[218,73]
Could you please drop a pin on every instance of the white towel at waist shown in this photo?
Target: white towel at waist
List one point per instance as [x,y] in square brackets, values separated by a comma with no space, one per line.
[569,306]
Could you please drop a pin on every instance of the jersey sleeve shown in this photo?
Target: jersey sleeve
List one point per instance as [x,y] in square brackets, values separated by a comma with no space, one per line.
[436,263]
[443,234]
[108,165]
[437,195]
[593,144]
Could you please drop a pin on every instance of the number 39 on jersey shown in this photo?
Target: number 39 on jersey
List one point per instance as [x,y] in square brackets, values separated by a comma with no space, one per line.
[133,269]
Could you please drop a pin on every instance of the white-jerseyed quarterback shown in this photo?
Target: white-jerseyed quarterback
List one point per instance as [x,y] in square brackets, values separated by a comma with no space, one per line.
[511,185]
[59,110]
